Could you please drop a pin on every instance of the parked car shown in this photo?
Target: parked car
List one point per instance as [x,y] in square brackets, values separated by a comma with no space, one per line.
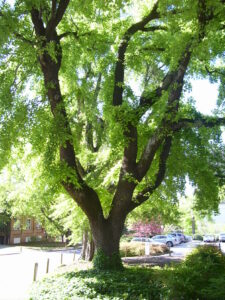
[179,236]
[222,237]
[168,240]
[208,238]
[141,239]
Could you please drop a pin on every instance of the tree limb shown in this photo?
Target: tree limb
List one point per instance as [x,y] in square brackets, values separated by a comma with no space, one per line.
[56,16]
[38,23]
[153,28]
[199,121]
[120,65]
[68,33]
[160,175]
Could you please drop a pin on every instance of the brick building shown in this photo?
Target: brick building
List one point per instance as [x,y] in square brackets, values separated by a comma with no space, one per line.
[22,230]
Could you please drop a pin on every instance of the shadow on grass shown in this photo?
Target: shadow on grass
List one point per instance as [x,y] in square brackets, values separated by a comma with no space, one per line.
[131,283]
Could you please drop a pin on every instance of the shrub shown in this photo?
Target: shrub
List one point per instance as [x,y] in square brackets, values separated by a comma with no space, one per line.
[138,249]
[198,237]
[199,276]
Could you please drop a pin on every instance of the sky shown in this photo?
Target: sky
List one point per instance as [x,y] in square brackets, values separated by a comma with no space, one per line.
[205,95]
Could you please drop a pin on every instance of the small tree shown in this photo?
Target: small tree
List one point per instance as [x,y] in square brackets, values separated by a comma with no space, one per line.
[147,228]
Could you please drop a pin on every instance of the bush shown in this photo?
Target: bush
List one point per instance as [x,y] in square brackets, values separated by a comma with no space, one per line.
[138,249]
[201,276]
[198,237]
[130,284]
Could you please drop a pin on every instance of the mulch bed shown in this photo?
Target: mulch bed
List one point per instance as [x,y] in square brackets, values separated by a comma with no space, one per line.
[160,260]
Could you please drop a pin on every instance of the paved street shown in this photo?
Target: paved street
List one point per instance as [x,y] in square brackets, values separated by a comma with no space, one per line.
[17,269]
[185,248]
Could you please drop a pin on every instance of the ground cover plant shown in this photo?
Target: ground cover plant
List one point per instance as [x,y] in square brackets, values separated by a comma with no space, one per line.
[132,283]
[201,276]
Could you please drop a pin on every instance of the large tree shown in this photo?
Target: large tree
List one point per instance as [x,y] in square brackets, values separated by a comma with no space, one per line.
[96,87]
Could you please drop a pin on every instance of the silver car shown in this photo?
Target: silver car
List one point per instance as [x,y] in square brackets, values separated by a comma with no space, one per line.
[168,240]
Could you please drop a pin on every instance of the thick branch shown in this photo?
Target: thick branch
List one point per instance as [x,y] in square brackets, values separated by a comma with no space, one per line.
[160,175]
[81,193]
[149,154]
[162,161]
[153,28]
[120,65]
[57,15]
[38,23]
[170,78]
[197,122]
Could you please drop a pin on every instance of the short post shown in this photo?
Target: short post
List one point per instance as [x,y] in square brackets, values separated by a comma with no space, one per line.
[74,256]
[47,266]
[169,251]
[35,272]
[61,258]
[147,248]
[20,249]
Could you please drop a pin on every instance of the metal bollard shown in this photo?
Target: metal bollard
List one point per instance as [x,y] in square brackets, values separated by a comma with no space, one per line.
[35,272]
[61,258]
[74,256]
[47,266]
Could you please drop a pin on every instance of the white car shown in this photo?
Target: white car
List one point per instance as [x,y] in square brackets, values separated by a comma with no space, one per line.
[168,240]
[222,237]
[208,238]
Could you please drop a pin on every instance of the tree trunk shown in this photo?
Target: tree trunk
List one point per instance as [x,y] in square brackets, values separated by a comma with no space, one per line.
[90,250]
[88,246]
[84,244]
[107,240]
[193,225]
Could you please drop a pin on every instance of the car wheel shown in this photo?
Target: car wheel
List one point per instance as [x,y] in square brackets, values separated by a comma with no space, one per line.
[169,244]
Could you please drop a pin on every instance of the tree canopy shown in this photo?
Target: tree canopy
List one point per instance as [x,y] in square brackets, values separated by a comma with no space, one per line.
[97,89]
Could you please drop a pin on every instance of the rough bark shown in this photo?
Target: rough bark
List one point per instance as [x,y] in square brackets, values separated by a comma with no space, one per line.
[88,246]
